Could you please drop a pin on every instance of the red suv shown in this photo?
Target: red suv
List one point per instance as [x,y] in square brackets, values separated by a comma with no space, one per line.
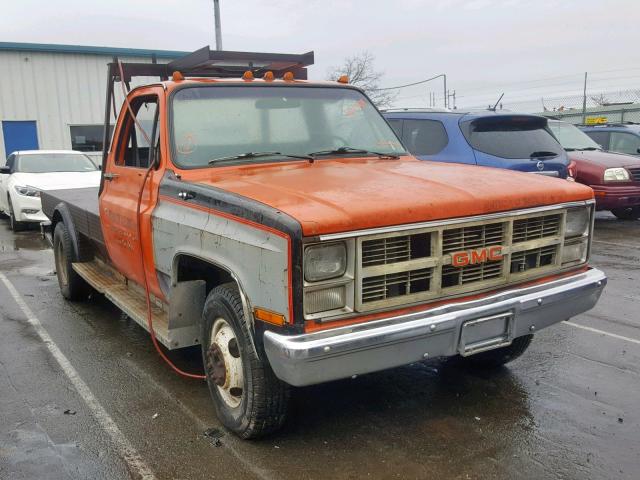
[614,177]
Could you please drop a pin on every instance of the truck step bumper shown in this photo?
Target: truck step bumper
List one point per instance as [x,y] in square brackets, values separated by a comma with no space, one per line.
[459,328]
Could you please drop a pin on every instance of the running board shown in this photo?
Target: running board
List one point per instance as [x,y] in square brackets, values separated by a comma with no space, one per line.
[132,301]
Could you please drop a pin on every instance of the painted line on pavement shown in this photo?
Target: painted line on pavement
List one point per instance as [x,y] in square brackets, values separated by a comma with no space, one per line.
[134,461]
[602,332]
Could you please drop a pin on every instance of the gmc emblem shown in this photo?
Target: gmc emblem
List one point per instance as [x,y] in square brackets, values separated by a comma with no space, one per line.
[472,257]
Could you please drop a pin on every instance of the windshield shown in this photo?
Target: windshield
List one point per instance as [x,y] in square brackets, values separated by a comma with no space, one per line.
[54,162]
[511,136]
[571,137]
[227,121]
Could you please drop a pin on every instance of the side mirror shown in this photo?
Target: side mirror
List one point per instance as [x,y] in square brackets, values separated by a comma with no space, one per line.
[5,170]
[638,150]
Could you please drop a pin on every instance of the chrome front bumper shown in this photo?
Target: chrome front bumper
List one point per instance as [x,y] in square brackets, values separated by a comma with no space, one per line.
[496,320]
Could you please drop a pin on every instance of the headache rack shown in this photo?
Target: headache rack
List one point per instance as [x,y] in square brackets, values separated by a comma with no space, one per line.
[202,63]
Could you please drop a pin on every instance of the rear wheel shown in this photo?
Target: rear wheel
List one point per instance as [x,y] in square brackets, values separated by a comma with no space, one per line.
[249,399]
[15,225]
[499,356]
[72,285]
[628,213]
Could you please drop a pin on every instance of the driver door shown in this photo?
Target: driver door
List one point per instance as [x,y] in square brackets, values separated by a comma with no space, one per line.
[124,178]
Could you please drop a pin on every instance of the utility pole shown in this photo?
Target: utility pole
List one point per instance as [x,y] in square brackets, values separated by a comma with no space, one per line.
[216,14]
[446,100]
[584,100]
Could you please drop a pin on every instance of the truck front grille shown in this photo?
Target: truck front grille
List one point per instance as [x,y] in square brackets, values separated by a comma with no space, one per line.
[635,174]
[536,227]
[472,237]
[398,284]
[417,265]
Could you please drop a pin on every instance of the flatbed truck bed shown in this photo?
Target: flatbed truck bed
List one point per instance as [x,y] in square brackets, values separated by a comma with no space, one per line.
[82,210]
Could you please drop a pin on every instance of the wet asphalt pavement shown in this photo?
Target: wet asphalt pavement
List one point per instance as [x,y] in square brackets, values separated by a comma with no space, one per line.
[568,409]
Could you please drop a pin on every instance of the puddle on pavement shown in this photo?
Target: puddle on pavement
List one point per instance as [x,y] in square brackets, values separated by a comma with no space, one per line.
[27,240]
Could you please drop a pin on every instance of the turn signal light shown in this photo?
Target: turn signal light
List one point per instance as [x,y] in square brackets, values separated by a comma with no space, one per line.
[248,75]
[268,317]
[177,76]
[268,76]
[288,77]
[343,79]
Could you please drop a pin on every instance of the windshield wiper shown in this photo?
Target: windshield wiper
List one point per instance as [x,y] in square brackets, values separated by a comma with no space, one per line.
[246,155]
[349,150]
[542,154]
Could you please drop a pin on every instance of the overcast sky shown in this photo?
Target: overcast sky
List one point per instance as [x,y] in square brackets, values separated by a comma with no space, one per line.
[526,48]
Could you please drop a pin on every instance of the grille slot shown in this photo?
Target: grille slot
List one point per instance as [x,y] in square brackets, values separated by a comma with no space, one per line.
[384,251]
[534,258]
[472,237]
[635,174]
[457,276]
[382,287]
[534,228]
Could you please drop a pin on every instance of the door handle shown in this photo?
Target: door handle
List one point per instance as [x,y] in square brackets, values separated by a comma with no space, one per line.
[184,195]
[110,176]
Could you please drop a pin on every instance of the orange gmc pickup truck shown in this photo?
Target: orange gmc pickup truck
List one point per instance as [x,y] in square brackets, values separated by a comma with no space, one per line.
[281,225]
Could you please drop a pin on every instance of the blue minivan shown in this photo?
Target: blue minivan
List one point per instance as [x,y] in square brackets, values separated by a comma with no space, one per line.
[493,139]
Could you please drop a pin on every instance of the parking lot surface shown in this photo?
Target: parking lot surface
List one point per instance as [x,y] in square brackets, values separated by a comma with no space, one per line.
[567,409]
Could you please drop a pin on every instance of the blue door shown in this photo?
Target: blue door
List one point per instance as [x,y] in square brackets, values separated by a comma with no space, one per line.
[19,135]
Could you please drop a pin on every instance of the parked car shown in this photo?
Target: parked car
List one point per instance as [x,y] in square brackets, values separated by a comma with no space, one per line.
[614,177]
[27,173]
[493,139]
[616,137]
[95,157]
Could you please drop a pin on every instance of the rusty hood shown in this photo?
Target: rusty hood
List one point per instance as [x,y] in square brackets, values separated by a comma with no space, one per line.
[330,196]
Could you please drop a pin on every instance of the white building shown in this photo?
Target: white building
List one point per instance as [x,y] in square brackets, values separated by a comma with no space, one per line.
[52,96]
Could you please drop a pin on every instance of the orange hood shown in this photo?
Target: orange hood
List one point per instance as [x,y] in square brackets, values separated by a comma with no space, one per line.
[346,194]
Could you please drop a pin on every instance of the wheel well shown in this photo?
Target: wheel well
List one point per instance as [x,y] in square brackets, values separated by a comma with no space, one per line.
[193,268]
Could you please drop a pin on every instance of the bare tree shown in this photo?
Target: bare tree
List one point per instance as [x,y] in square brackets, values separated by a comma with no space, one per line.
[361,72]
[601,100]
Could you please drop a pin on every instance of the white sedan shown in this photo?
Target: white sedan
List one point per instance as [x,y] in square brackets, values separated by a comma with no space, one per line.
[27,173]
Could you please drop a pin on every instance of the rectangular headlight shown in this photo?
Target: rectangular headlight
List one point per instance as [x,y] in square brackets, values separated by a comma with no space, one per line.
[322,262]
[575,252]
[326,299]
[578,222]
[617,174]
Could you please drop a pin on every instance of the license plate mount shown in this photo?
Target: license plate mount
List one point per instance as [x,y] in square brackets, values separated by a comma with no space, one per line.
[486,333]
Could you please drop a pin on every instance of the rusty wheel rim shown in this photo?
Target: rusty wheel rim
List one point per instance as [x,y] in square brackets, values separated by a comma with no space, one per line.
[224,363]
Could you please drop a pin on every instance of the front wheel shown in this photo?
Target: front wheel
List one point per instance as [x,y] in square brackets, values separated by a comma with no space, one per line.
[499,356]
[72,285]
[14,224]
[249,399]
[628,213]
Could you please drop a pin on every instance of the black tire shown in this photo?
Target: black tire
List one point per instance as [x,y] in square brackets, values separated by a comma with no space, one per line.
[72,285]
[263,400]
[14,225]
[498,357]
[629,213]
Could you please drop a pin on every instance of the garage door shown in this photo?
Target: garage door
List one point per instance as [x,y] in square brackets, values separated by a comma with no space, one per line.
[19,135]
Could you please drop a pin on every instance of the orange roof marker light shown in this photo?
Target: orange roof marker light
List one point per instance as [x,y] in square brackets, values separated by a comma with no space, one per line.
[177,76]
[288,77]
[343,79]
[268,76]
[248,75]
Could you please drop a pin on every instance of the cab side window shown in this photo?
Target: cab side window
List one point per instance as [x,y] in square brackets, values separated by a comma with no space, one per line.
[137,135]
[625,143]
[424,137]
